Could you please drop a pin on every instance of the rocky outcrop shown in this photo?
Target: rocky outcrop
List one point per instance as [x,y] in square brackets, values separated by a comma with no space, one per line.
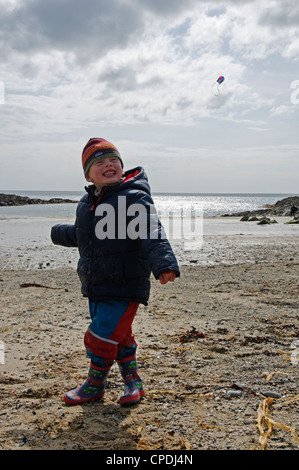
[282,208]
[14,200]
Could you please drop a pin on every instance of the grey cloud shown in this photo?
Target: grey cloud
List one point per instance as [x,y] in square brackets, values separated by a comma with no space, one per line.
[89,27]
[168,7]
[86,28]
[123,79]
[278,13]
[219,101]
[283,14]
[183,103]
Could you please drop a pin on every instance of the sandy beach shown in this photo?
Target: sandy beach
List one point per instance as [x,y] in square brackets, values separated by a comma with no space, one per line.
[217,349]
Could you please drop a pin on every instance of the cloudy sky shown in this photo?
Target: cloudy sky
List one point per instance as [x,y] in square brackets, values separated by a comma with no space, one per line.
[141,73]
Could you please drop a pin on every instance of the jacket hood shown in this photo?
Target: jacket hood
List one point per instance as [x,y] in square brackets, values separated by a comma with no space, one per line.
[136,179]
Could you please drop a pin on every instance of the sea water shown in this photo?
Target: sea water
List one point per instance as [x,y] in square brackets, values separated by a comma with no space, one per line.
[209,204]
[25,241]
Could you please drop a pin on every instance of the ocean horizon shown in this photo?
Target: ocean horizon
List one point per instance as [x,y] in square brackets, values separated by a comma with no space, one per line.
[208,204]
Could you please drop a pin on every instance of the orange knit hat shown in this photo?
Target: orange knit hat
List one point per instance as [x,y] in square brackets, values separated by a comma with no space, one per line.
[97,149]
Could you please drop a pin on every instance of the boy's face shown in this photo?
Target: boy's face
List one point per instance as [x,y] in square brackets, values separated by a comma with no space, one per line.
[105,171]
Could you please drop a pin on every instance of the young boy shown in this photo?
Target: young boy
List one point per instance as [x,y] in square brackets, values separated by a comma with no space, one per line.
[118,252]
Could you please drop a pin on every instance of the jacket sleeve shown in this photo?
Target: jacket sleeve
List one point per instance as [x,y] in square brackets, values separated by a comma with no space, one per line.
[64,235]
[155,245]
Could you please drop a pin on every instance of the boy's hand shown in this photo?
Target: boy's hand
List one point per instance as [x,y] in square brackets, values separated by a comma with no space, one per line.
[167,276]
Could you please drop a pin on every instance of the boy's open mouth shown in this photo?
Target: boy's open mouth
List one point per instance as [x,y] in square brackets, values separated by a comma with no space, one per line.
[109,173]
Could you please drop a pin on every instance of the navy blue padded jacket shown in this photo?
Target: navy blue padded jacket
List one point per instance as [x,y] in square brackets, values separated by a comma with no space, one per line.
[117,268]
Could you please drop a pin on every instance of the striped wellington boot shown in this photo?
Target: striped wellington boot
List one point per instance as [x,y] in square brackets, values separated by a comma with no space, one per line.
[92,389]
[133,383]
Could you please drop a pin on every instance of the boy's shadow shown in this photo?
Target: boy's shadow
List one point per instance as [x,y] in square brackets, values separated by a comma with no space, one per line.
[101,425]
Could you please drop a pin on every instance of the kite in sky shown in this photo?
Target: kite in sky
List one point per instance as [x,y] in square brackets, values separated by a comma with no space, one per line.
[216,86]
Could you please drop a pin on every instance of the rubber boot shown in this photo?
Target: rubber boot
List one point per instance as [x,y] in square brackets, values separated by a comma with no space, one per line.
[133,383]
[92,389]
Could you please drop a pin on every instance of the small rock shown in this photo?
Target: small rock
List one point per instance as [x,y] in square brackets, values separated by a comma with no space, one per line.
[270,394]
[234,393]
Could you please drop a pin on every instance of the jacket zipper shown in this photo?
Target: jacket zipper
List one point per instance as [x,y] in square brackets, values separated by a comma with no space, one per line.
[94,204]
